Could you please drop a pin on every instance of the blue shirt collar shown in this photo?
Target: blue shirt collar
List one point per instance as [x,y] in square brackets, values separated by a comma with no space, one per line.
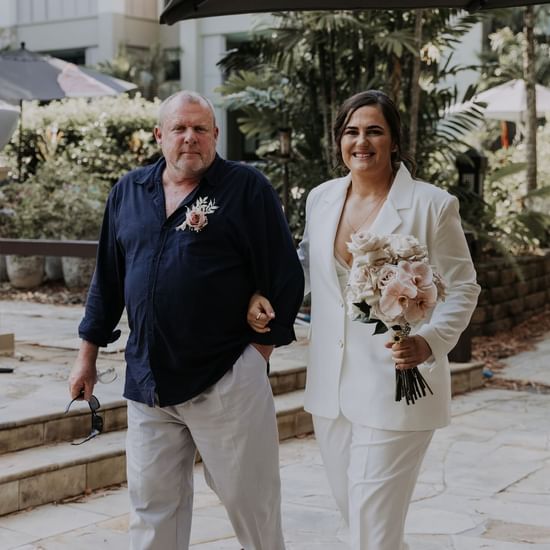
[154,172]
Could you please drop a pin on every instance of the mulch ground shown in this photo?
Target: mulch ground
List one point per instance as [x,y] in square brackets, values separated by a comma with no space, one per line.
[48,293]
[523,337]
[488,349]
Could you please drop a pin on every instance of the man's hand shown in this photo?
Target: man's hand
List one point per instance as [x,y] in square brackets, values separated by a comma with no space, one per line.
[409,353]
[84,373]
[259,313]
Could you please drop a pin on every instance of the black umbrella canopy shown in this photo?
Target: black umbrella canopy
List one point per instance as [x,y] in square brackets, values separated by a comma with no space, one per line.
[178,10]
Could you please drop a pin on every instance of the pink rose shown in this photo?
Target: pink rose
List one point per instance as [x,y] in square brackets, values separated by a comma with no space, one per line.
[196,220]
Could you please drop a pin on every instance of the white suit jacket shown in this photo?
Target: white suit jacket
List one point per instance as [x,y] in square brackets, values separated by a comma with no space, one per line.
[349,369]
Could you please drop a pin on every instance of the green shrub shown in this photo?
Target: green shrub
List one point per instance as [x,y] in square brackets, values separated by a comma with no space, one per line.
[63,200]
[108,135]
[73,151]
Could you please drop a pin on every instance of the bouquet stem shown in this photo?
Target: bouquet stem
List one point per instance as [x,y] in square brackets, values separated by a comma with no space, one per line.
[409,383]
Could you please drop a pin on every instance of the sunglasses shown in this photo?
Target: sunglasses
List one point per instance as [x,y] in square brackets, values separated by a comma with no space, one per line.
[97,421]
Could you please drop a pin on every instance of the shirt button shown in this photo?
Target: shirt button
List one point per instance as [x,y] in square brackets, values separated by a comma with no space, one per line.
[341,343]
[341,304]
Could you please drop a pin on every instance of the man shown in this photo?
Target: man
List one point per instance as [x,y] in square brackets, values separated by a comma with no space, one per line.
[184,245]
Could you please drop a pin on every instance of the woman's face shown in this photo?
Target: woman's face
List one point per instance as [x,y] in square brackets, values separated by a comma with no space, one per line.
[366,142]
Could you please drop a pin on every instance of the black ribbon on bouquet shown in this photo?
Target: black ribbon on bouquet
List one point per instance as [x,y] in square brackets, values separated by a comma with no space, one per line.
[409,383]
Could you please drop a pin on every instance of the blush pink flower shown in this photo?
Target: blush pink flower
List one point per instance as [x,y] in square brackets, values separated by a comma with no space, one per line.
[396,297]
[419,273]
[424,301]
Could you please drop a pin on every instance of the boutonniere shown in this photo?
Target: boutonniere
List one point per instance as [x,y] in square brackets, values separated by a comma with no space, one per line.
[196,217]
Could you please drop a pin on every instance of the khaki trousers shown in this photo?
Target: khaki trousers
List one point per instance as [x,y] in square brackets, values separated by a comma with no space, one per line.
[372,474]
[233,426]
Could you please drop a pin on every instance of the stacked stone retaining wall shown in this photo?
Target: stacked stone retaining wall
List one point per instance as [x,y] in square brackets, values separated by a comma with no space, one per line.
[511,293]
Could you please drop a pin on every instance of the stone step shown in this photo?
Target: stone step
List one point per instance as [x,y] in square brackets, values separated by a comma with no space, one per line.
[285,376]
[56,470]
[466,377]
[52,472]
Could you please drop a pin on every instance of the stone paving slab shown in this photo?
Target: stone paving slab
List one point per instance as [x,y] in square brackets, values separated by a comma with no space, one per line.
[530,365]
[484,483]
[480,488]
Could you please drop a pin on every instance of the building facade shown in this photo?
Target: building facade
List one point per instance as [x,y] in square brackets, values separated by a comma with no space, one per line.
[91,31]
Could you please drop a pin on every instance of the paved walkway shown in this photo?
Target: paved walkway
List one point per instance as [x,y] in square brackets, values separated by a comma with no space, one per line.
[485,482]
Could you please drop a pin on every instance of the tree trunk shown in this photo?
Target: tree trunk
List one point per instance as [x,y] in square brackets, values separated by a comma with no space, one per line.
[529,77]
[395,78]
[325,104]
[415,85]
[333,99]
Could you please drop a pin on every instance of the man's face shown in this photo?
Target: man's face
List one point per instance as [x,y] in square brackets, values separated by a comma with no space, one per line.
[187,137]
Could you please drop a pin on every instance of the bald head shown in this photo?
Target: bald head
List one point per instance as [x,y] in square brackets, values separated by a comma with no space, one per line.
[179,98]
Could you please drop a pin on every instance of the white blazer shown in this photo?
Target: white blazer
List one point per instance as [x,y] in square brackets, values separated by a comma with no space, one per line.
[349,369]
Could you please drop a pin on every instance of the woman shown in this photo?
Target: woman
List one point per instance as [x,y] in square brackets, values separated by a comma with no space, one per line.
[371,445]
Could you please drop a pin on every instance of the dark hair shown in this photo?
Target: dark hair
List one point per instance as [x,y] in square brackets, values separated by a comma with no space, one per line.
[391,115]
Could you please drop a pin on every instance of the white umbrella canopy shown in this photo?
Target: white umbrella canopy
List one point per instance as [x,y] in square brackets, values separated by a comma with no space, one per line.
[508,101]
[178,10]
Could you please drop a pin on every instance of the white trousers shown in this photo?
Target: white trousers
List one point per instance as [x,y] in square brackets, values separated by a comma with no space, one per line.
[233,426]
[372,474]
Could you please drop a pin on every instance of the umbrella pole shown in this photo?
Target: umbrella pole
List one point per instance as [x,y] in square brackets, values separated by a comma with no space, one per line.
[20,146]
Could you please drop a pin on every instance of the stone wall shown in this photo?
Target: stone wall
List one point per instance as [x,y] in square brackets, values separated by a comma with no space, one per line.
[510,293]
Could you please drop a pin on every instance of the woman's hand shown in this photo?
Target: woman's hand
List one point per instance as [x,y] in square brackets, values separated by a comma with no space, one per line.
[410,352]
[260,313]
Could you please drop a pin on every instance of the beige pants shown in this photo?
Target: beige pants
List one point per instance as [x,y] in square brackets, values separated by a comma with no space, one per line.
[233,426]
[372,474]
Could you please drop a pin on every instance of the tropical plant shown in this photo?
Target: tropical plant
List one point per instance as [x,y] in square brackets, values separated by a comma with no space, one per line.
[147,70]
[522,52]
[298,74]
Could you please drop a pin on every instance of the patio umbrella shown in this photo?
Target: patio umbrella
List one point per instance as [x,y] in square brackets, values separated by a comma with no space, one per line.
[508,101]
[177,10]
[9,116]
[26,75]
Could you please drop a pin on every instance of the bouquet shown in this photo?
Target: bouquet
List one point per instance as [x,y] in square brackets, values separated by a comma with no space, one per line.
[392,285]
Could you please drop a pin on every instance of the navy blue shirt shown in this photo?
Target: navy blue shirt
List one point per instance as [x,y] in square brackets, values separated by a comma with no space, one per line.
[186,293]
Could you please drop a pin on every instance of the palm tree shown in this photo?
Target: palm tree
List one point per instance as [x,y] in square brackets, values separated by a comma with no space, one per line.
[300,72]
[530,82]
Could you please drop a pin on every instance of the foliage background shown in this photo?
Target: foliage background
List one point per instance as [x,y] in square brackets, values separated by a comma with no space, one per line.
[298,73]
[73,151]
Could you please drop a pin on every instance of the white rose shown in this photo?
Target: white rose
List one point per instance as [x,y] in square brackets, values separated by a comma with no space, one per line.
[407,247]
[373,258]
[385,275]
[359,274]
[363,241]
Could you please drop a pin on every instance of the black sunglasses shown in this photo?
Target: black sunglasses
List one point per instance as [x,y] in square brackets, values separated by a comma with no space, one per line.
[97,421]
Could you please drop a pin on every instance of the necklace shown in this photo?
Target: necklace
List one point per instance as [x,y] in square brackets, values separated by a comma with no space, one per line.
[371,212]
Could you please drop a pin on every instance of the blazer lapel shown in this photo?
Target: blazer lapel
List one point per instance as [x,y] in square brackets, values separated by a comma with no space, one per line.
[399,199]
[333,202]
